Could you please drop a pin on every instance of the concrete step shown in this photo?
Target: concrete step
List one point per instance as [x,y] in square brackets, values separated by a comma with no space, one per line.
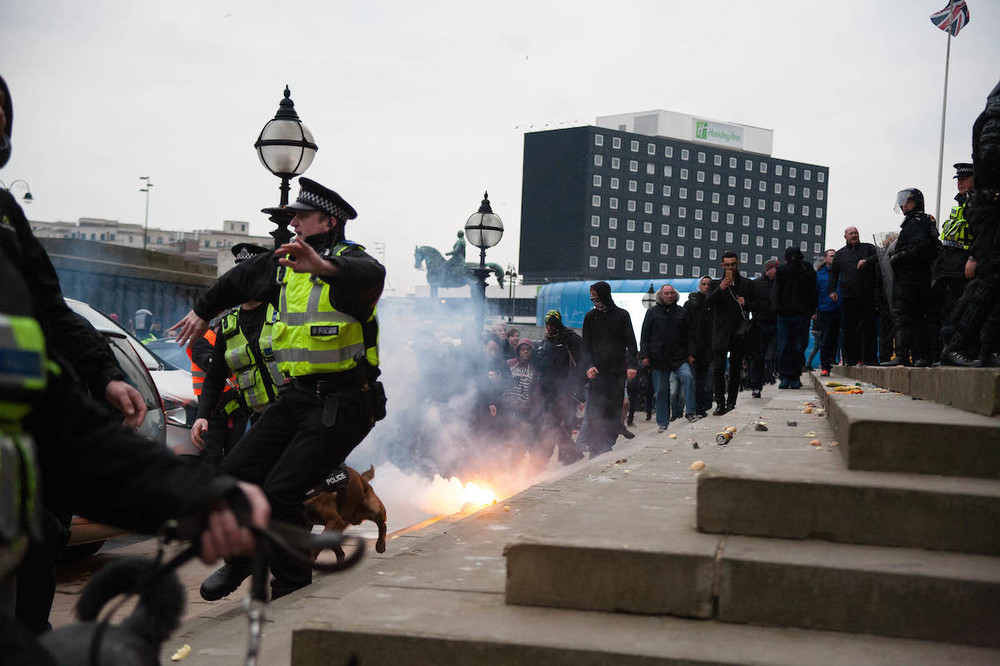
[972,389]
[879,509]
[424,627]
[886,432]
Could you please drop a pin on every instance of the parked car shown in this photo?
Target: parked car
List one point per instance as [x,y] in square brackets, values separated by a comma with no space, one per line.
[173,379]
[86,537]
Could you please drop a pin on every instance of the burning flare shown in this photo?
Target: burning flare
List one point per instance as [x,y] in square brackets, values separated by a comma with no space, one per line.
[450,496]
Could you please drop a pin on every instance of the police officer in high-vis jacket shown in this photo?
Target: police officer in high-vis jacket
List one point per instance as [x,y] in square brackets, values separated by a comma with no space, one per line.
[324,289]
[949,268]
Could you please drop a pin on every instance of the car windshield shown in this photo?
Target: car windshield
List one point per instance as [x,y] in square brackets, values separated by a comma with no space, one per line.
[105,324]
[172,354]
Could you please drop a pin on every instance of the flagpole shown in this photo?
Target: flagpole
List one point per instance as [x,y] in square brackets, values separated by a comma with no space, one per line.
[944,111]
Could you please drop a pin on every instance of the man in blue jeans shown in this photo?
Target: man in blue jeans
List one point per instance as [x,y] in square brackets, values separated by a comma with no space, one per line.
[827,317]
[667,348]
[794,300]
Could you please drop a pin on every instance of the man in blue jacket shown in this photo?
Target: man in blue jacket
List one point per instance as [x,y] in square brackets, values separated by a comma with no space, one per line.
[827,316]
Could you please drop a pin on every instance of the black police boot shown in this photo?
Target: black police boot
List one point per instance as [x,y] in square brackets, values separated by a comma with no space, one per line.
[899,360]
[224,581]
[922,363]
[958,357]
[991,360]
[720,409]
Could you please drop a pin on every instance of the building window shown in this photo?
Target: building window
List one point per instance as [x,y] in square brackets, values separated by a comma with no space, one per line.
[820,177]
[777,206]
[747,183]
[744,257]
[700,176]
[630,245]
[716,179]
[819,195]
[595,241]
[595,200]
[663,269]
[645,267]
[616,142]
[717,160]
[681,231]
[774,243]
[746,202]
[612,243]
[597,180]
[789,227]
[791,190]
[666,190]
[777,188]
[630,225]
[615,163]
[762,186]
[819,230]
[699,195]
[732,162]
[696,252]
[592,261]
[632,186]
[668,171]
[763,167]
[791,209]
[647,227]
[598,160]
[805,209]
[730,218]
[791,172]
[649,188]
[805,192]
[730,200]
[665,210]
[697,214]
[650,148]
[595,221]
[633,166]
[682,193]
[668,151]
[647,208]
[634,145]
[715,216]
[697,233]
[612,223]
[679,250]
[748,165]
[777,169]
[760,241]
[713,235]
[663,248]
[685,154]
[598,139]
[712,254]
[631,206]
[664,229]
[701,157]
[684,174]
[729,237]
[682,212]
[760,223]
[679,270]
[761,204]
[758,259]
[647,247]
[650,169]
[732,181]
[715,197]
[804,229]
[611,262]
[628,264]
[819,212]
[807,174]
[744,239]
[613,202]
[746,220]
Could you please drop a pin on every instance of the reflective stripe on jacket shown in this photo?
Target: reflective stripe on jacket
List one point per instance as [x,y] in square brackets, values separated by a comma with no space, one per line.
[256,387]
[311,336]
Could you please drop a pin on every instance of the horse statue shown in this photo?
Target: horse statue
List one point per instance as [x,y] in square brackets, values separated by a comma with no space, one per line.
[444,273]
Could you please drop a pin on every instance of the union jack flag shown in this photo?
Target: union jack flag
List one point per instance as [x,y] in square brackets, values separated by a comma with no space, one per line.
[952,18]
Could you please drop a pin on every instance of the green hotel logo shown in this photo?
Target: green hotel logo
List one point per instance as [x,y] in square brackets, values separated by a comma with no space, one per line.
[718,133]
[701,129]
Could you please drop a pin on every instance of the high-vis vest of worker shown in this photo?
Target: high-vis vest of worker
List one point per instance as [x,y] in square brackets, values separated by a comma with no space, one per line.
[256,386]
[24,370]
[955,231]
[198,378]
[310,336]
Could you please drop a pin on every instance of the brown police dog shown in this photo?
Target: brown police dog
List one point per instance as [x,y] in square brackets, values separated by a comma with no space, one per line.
[358,503]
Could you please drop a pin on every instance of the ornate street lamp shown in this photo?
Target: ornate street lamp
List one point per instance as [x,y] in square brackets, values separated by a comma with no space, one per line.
[27,198]
[483,229]
[286,149]
[511,275]
[649,300]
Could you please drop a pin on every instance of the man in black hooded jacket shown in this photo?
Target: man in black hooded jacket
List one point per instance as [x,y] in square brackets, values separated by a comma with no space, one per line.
[609,354]
[730,299]
[794,298]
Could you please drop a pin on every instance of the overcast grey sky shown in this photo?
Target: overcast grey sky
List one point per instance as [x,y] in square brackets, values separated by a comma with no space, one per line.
[419,106]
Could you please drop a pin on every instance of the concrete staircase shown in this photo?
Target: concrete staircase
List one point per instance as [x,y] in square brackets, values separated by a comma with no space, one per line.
[868,534]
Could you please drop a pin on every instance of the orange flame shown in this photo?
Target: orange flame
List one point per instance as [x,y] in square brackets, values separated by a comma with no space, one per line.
[449,496]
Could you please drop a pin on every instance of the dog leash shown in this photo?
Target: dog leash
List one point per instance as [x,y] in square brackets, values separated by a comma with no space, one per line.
[293,540]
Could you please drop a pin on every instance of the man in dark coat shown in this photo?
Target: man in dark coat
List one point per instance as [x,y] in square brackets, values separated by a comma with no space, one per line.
[730,299]
[794,298]
[764,335]
[609,354]
[978,311]
[558,359]
[854,274]
[911,260]
[667,348]
[949,268]
[701,334]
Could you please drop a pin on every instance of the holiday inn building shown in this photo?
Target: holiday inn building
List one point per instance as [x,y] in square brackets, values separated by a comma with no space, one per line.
[661,195]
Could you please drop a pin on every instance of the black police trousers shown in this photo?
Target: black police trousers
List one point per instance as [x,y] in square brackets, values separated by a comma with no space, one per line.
[915,321]
[977,314]
[292,448]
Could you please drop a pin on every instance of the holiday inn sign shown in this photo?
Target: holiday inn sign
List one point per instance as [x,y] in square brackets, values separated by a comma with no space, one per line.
[721,134]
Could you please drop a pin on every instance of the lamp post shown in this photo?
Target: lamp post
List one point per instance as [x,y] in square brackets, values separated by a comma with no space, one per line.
[511,275]
[649,300]
[286,149]
[145,226]
[27,198]
[483,229]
